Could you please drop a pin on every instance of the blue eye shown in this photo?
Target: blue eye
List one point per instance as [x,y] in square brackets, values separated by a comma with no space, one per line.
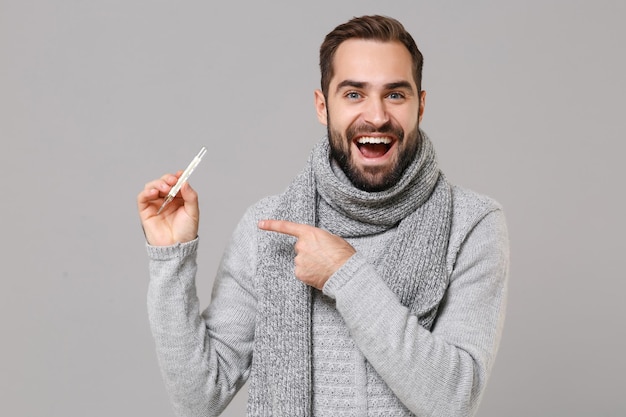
[353,95]
[395,96]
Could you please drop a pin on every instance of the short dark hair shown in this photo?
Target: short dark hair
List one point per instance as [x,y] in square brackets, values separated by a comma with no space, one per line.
[379,28]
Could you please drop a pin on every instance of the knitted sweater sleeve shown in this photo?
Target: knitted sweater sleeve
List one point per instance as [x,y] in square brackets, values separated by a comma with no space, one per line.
[441,372]
[204,358]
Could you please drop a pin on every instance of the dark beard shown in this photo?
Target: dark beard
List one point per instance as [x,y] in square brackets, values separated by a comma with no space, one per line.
[341,151]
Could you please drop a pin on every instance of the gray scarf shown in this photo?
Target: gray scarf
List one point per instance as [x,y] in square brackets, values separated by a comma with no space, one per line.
[419,205]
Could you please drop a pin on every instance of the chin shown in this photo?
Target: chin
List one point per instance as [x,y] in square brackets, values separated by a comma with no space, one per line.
[372,182]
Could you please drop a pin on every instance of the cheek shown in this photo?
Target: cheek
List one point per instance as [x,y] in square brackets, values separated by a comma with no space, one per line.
[408,118]
[340,118]
[409,127]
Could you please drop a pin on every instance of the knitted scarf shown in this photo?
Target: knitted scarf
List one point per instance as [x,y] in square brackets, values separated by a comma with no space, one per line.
[413,266]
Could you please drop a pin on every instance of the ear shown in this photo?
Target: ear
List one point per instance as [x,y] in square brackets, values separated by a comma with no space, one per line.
[422,105]
[320,107]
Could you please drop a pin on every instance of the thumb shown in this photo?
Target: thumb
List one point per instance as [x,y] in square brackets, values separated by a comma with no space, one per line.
[190,198]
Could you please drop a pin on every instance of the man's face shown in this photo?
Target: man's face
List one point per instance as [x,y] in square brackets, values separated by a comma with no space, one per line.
[372,112]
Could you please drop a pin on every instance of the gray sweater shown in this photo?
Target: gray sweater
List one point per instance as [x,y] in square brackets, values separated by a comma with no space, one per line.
[370,355]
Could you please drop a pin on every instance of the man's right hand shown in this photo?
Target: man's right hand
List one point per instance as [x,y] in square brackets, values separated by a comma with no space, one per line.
[178,221]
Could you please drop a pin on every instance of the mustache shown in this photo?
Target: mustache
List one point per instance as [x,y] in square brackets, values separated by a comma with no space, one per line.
[388,128]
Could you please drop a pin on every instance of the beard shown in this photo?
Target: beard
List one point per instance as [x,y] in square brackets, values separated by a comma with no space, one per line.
[373,179]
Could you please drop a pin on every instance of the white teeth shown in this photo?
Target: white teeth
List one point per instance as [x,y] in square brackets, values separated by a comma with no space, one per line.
[372,140]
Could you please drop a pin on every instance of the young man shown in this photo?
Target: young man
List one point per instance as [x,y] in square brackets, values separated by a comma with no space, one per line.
[371,286]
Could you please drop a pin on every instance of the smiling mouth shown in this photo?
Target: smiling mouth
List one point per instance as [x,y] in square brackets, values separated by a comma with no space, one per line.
[373,147]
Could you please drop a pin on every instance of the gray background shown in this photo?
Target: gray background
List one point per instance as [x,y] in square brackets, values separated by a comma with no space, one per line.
[525,103]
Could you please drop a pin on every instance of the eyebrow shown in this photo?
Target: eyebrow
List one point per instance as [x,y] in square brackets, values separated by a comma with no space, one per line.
[362,84]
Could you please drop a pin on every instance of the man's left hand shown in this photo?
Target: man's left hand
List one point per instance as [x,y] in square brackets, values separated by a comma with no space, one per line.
[319,254]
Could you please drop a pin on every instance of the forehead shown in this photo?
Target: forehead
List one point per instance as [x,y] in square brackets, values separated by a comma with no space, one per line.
[371,61]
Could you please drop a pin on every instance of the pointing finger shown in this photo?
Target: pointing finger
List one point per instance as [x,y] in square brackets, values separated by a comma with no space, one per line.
[284,226]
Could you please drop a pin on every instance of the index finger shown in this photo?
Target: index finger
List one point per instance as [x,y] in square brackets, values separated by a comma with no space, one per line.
[284,226]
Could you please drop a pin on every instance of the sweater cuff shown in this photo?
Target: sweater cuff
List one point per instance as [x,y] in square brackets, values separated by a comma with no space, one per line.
[175,251]
[353,267]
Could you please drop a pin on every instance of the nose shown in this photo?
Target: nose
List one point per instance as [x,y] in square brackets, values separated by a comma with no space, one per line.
[375,112]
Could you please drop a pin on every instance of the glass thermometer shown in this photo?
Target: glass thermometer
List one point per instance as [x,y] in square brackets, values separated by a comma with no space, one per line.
[185,175]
